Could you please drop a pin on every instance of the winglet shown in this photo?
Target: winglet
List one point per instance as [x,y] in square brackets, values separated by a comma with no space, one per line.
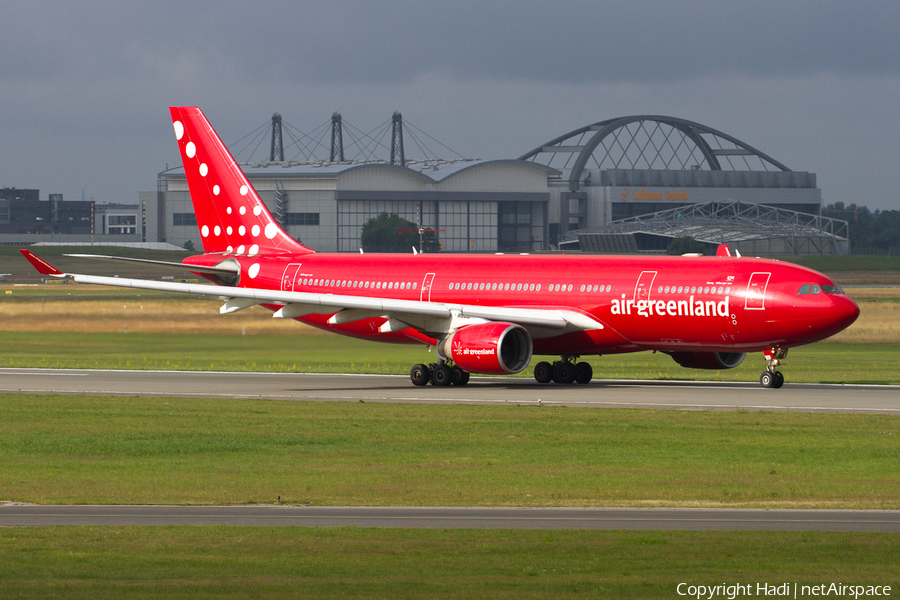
[42,266]
[723,250]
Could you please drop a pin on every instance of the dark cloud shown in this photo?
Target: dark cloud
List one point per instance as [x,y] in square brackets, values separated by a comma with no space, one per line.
[397,41]
[84,89]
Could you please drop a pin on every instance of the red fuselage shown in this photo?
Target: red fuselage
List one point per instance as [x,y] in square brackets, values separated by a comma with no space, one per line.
[694,304]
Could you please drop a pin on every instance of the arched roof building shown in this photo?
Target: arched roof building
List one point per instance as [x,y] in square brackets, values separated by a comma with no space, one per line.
[635,165]
[475,205]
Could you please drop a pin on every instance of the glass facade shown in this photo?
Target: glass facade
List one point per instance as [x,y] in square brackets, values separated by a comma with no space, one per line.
[462,226]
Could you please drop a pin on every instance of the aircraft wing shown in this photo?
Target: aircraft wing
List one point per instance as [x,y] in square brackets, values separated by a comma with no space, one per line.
[431,317]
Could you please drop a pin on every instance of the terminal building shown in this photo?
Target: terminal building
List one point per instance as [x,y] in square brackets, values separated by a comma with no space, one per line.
[594,177]
[26,219]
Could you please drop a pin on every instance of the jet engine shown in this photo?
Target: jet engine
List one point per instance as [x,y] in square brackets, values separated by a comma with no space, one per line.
[495,348]
[708,360]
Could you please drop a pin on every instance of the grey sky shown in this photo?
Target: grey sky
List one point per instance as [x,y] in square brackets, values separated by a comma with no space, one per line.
[84,91]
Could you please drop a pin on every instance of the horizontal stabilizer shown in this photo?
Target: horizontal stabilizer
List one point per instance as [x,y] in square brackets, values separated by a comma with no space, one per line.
[217,270]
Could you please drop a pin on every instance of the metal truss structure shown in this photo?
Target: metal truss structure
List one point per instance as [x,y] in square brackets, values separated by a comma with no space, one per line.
[751,228]
[648,142]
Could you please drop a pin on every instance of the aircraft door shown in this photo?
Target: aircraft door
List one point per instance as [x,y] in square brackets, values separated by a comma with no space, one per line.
[756,291]
[287,280]
[425,292]
[644,286]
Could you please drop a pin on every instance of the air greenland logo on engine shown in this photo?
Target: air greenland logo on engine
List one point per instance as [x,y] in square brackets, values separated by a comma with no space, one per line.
[671,308]
[478,351]
[460,349]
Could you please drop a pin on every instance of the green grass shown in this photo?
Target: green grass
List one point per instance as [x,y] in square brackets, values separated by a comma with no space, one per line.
[844,264]
[85,450]
[236,562]
[817,363]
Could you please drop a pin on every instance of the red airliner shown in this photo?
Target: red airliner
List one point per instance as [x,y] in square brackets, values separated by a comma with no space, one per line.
[491,314]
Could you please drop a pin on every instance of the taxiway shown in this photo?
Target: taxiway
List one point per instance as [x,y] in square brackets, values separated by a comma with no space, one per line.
[683,519]
[681,395]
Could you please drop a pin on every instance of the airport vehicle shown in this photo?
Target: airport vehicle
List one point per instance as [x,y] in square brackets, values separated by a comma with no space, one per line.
[490,314]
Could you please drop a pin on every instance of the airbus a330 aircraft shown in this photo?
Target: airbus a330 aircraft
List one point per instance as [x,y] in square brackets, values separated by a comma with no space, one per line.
[491,314]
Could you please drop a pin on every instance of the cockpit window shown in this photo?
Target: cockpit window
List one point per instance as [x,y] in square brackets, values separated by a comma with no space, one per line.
[810,288]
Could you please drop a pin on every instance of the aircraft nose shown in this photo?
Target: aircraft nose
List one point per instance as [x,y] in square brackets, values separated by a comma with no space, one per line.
[846,311]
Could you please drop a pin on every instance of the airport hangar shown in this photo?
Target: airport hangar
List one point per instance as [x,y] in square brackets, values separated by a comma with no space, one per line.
[582,182]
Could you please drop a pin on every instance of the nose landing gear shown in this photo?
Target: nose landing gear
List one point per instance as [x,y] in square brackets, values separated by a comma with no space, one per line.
[770,377]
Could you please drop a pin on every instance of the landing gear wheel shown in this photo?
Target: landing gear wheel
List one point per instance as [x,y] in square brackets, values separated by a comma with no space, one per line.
[441,375]
[767,379]
[565,372]
[583,372]
[459,377]
[779,380]
[419,375]
[543,372]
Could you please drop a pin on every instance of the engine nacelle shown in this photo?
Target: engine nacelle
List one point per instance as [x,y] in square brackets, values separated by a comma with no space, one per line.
[708,360]
[496,348]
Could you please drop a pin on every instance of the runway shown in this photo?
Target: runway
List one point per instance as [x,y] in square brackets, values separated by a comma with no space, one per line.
[680,395]
[671,519]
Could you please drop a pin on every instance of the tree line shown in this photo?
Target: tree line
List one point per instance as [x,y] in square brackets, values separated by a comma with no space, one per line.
[871,232]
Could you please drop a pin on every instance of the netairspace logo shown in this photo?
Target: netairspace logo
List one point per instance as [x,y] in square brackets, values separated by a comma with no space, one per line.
[781,590]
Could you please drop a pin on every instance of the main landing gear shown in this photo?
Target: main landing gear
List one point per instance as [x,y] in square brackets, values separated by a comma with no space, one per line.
[440,374]
[567,370]
[770,377]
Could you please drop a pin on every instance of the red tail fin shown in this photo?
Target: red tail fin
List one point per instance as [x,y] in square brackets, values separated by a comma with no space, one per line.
[42,266]
[231,217]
